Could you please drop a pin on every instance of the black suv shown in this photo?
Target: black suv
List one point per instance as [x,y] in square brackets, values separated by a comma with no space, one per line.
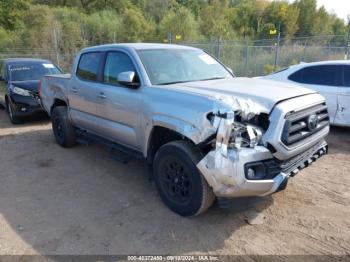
[19,84]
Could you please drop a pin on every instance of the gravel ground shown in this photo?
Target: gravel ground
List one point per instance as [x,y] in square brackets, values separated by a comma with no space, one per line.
[80,201]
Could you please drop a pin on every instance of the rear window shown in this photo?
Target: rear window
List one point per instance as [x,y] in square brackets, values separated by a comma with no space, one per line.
[23,71]
[88,66]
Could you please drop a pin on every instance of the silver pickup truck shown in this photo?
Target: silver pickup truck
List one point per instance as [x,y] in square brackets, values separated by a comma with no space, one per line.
[203,132]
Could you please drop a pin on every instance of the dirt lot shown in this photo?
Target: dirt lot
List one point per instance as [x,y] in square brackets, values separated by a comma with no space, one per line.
[80,201]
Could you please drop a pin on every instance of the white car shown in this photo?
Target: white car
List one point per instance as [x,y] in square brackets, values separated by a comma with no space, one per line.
[330,78]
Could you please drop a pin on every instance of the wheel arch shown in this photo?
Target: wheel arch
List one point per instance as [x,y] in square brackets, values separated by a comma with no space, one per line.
[160,135]
[58,102]
[6,98]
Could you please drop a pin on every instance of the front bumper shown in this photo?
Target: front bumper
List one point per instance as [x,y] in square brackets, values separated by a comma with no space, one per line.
[227,175]
[25,105]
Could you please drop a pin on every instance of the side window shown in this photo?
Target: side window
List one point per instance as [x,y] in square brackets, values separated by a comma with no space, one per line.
[88,66]
[347,75]
[329,75]
[116,63]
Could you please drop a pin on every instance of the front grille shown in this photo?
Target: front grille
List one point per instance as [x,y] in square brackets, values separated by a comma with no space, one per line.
[302,124]
[274,166]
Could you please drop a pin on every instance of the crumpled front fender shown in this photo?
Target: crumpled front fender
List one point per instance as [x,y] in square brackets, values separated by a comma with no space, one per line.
[186,129]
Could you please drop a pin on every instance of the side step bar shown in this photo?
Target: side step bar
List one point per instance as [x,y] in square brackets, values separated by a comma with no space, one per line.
[119,152]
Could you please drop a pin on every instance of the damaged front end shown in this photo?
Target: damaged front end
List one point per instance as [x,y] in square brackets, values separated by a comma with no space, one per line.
[238,164]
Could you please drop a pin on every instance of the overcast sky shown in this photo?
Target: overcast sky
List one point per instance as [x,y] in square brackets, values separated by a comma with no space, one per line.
[340,7]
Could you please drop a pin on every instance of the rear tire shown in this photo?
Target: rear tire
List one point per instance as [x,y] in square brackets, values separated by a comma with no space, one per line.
[180,184]
[63,130]
[13,118]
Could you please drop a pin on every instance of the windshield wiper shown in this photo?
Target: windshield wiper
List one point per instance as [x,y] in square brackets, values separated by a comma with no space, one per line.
[175,82]
[178,82]
[212,78]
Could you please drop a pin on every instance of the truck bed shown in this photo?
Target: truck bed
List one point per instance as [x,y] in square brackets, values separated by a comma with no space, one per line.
[54,87]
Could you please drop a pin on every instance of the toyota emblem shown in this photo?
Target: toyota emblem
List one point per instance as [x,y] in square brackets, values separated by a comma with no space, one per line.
[312,122]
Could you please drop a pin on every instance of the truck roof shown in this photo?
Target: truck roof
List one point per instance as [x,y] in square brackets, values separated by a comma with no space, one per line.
[138,46]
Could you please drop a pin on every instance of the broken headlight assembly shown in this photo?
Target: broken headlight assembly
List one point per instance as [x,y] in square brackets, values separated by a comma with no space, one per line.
[244,135]
[233,134]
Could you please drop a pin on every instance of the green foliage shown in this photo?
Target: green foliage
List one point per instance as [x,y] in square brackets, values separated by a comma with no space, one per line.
[64,26]
[193,5]
[156,9]
[11,12]
[39,19]
[244,20]
[268,69]
[103,27]
[215,21]
[179,22]
[280,13]
[307,17]
[69,29]
[5,39]
[136,27]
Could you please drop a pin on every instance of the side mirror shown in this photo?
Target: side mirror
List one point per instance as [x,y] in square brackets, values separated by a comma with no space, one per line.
[127,78]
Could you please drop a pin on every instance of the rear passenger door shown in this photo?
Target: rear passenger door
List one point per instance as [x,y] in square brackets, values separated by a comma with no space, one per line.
[83,92]
[343,113]
[119,106]
[325,79]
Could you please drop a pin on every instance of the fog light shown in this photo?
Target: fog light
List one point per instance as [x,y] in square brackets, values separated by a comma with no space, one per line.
[255,171]
[250,173]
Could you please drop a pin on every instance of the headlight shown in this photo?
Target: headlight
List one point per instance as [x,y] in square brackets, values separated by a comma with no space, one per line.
[244,135]
[233,134]
[20,91]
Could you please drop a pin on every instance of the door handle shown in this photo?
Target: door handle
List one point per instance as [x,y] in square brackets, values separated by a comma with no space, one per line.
[102,96]
[74,90]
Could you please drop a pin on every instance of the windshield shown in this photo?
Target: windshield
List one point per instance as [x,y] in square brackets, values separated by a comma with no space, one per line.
[170,66]
[31,70]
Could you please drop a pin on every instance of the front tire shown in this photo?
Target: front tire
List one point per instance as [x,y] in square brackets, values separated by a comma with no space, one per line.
[63,129]
[180,184]
[13,118]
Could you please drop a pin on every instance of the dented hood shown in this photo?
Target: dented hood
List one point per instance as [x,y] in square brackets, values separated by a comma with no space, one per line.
[265,93]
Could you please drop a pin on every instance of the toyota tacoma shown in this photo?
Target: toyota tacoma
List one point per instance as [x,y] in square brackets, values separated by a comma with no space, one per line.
[203,132]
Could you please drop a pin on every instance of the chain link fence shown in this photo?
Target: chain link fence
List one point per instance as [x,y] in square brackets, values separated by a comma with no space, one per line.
[63,60]
[260,57]
[245,58]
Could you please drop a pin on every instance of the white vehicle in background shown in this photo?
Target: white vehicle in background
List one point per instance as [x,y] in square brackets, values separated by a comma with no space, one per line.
[330,78]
